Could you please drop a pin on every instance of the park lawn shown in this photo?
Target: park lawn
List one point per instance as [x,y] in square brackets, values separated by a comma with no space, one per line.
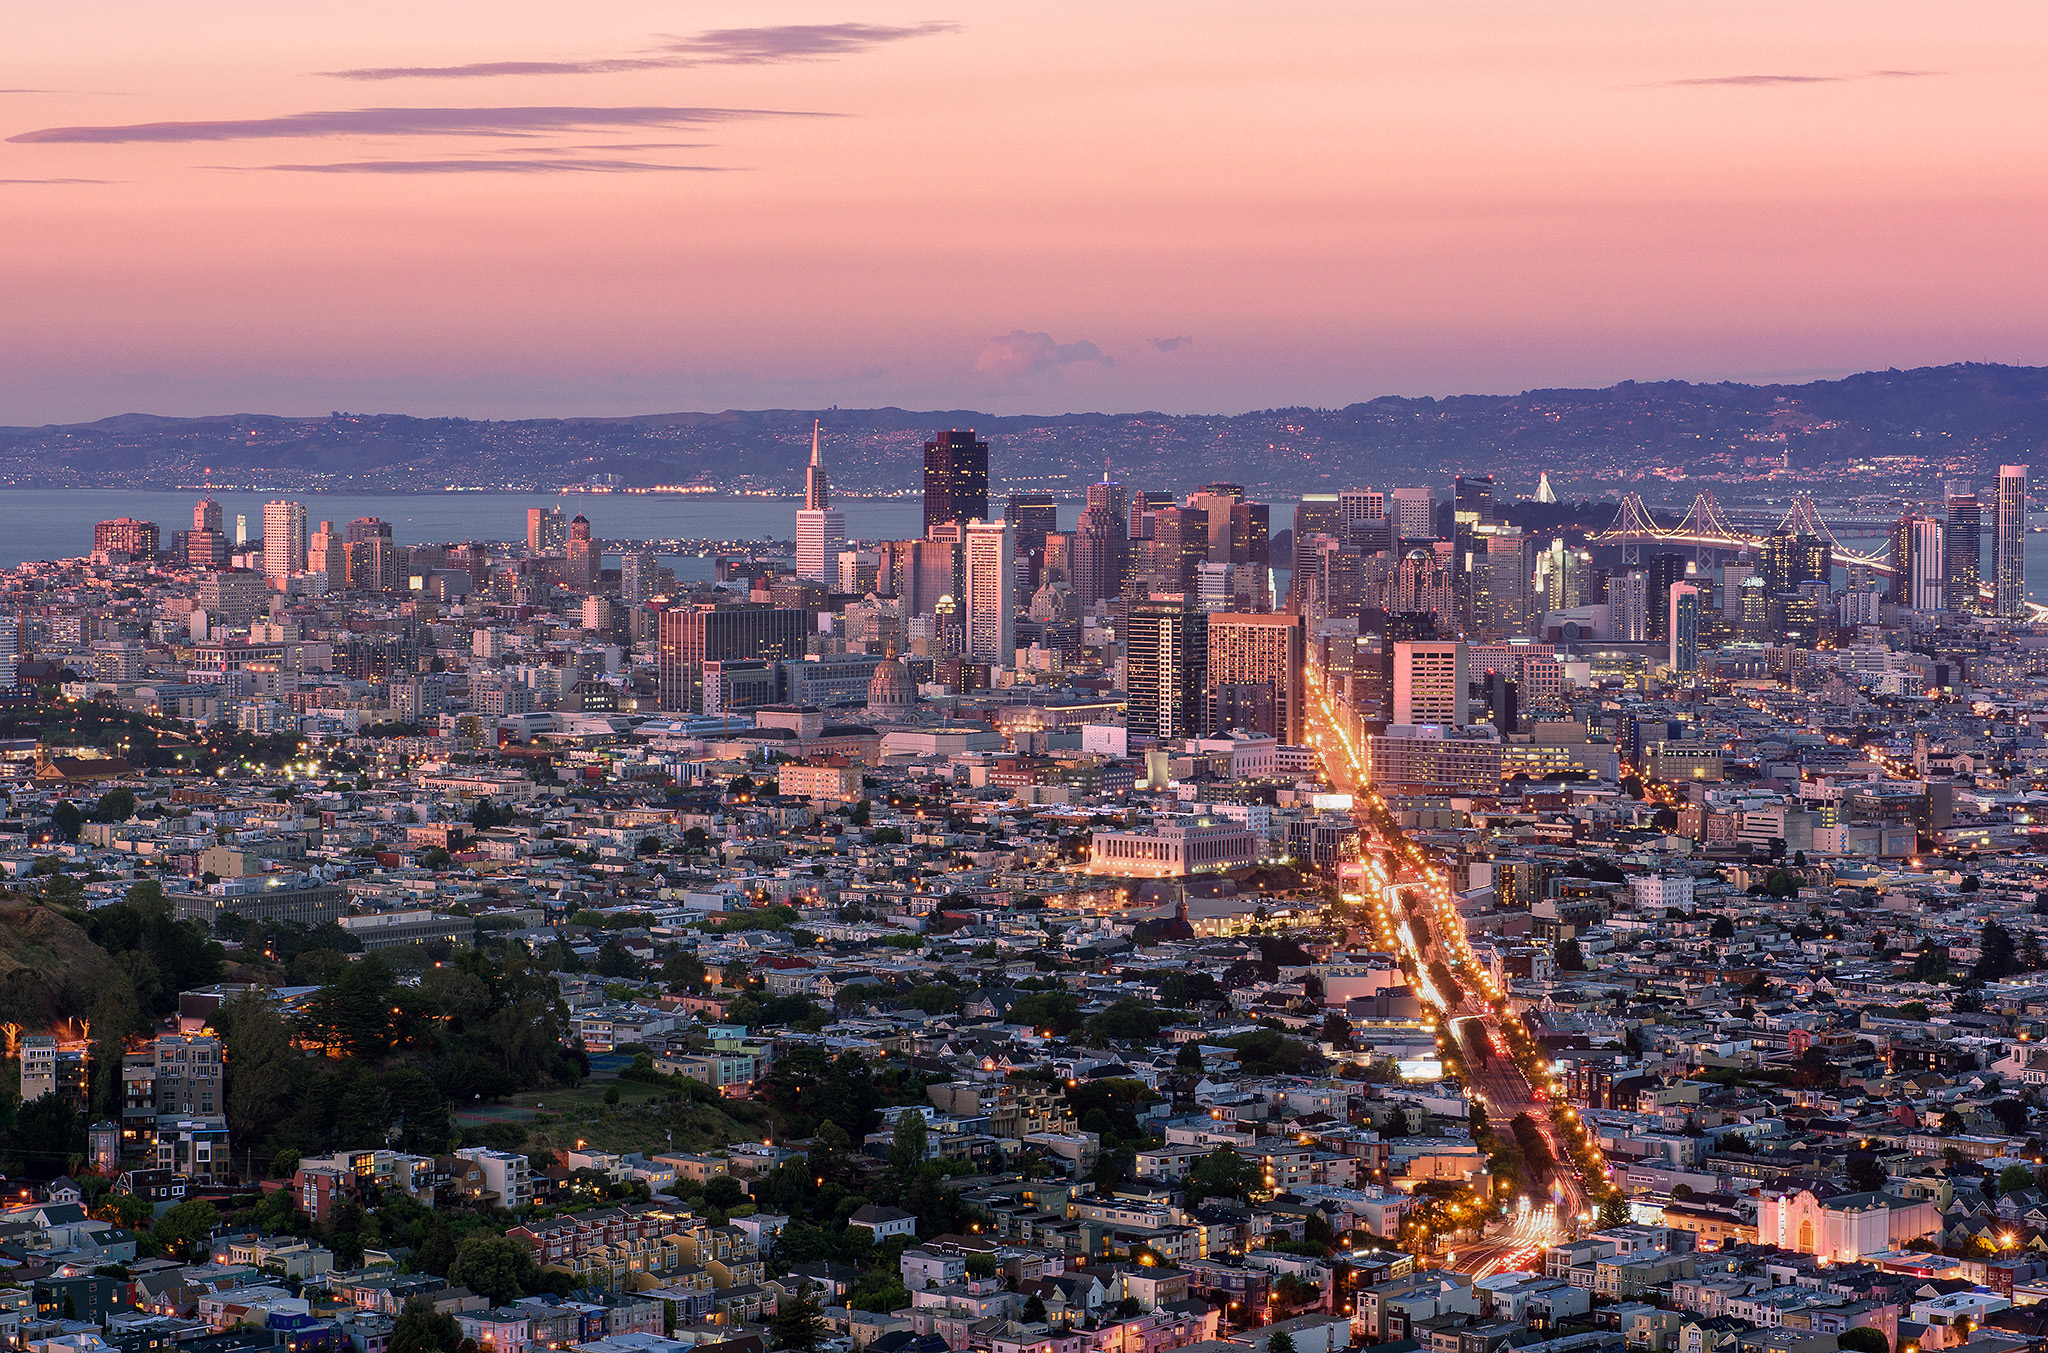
[645,1119]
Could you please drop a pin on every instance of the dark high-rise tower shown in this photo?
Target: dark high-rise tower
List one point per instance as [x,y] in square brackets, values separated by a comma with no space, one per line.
[955,479]
[1036,516]
[1474,493]
[1664,571]
[1962,551]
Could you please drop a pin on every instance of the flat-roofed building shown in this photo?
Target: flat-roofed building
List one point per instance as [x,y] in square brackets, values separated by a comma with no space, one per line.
[396,929]
[1167,850]
[1436,758]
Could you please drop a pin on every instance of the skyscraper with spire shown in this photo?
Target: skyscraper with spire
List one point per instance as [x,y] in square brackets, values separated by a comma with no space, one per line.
[816,496]
[820,530]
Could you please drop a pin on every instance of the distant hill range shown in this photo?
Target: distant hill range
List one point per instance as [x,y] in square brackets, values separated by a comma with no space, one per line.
[1922,424]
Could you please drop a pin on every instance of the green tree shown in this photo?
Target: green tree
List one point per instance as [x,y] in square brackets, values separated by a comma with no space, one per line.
[614,960]
[1054,1012]
[724,1192]
[1998,956]
[262,1066]
[1268,1052]
[1279,1341]
[1613,1210]
[358,1013]
[1569,957]
[909,1143]
[1863,1339]
[497,1269]
[799,1325]
[935,998]
[422,1329]
[2013,1178]
[116,805]
[187,1228]
[1129,1019]
[1931,963]
[67,820]
[41,1132]
[1865,1174]
[1222,1174]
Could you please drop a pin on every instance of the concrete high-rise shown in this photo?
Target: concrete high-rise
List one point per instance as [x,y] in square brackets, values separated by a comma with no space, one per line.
[2009,544]
[1101,543]
[991,609]
[206,515]
[637,570]
[1962,551]
[1430,680]
[1316,514]
[1414,513]
[1505,588]
[10,651]
[127,535]
[955,479]
[1628,608]
[585,559]
[1924,583]
[546,531]
[1217,502]
[284,539]
[820,529]
[370,558]
[1166,654]
[1354,506]
[1180,543]
[327,553]
[1260,657]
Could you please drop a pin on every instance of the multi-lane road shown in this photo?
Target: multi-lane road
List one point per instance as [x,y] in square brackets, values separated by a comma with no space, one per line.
[1412,911]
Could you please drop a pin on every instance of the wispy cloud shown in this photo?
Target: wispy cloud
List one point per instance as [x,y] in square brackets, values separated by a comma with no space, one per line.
[1174,343]
[1766,81]
[399,122]
[1019,354]
[484,70]
[719,47]
[554,165]
[798,42]
[31,182]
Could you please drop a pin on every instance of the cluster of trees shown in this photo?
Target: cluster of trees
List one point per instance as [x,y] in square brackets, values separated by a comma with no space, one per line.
[822,1192]
[372,1060]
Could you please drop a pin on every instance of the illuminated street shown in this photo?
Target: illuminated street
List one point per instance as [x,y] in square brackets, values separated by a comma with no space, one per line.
[1473,1010]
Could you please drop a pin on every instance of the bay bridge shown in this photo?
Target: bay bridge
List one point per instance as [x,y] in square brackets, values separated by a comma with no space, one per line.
[1705,526]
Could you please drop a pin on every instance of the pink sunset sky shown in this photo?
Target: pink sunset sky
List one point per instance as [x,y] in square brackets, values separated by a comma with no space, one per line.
[511,208]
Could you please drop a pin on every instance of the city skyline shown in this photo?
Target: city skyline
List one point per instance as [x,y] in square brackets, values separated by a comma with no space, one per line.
[1231,207]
